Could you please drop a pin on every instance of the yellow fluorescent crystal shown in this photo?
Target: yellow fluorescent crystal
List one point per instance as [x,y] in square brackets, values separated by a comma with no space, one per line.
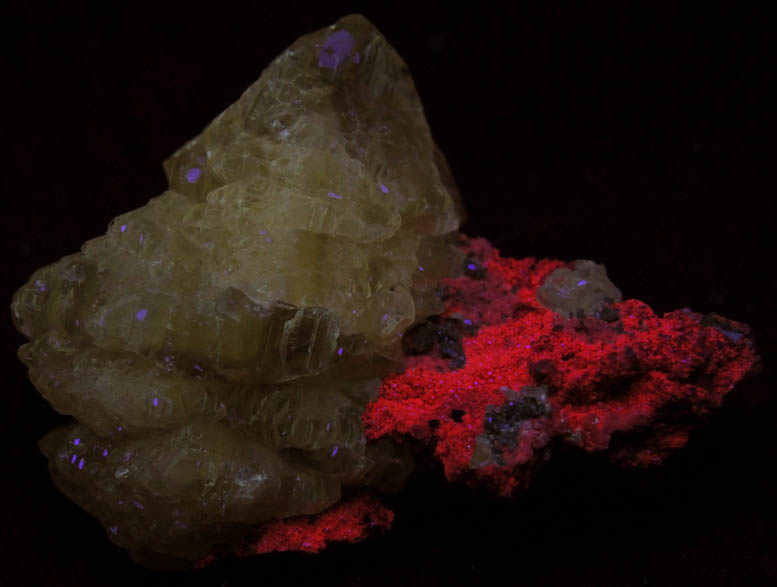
[218,345]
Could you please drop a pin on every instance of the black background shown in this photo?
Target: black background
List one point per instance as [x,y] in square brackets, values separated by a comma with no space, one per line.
[643,139]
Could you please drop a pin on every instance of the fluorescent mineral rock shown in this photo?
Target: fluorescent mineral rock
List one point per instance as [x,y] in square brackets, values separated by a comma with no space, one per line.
[534,379]
[233,351]
[219,345]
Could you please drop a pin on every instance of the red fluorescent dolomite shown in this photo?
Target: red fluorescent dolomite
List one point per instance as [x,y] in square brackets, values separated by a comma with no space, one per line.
[504,379]
[627,381]
[349,521]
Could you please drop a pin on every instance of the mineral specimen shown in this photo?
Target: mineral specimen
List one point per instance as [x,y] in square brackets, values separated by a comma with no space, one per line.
[621,380]
[248,354]
[583,291]
[219,345]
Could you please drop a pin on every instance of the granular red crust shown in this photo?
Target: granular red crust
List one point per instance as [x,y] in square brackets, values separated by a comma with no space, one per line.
[626,381]
[630,382]
[351,520]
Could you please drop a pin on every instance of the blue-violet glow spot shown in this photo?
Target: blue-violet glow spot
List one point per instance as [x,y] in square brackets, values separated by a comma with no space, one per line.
[193,174]
[334,452]
[420,268]
[357,58]
[336,48]
[73,460]
[582,282]
[334,195]
[467,321]
[156,402]
[105,452]
[472,266]
[76,441]
[384,189]
[141,314]
[81,464]
[123,227]
[340,351]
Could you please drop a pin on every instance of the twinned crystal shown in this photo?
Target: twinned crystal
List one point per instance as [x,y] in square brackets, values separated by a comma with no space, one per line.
[219,345]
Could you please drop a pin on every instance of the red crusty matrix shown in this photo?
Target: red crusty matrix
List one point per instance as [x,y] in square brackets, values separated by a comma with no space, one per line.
[530,355]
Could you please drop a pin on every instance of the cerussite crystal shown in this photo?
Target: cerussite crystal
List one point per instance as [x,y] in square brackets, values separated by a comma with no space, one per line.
[233,351]
[219,345]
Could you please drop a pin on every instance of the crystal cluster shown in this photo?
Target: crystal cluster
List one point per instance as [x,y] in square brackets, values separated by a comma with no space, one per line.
[219,345]
[247,355]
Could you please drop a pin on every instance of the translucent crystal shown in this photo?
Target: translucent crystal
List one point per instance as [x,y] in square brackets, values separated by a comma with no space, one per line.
[582,291]
[219,344]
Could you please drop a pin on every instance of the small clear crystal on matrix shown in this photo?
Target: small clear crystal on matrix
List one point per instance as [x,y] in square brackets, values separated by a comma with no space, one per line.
[219,345]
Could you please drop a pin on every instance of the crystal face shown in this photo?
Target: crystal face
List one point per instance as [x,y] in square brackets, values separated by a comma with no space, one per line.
[219,345]
[584,291]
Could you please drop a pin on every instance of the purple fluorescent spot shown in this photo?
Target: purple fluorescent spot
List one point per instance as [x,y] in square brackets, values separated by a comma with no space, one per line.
[196,366]
[73,460]
[193,174]
[123,227]
[384,189]
[357,58]
[80,464]
[76,441]
[420,268]
[334,195]
[114,529]
[582,282]
[340,351]
[467,321]
[156,402]
[39,286]
[334,452]
[262,232]
[141,314]
[105,452]
[472,266]
[336,49]
[384,316]
[119,429]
